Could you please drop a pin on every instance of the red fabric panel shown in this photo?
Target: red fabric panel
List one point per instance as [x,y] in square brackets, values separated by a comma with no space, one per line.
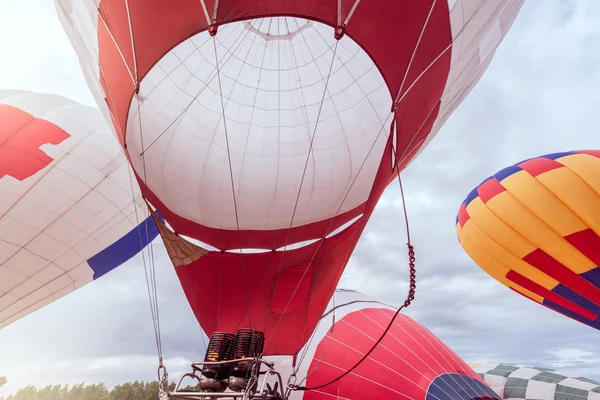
[21,136]
[215,287]
[419,108]
[235,10]
[292,289]
[538,166]
[158,26]
[490,189]
[115,78]
[463,215]
[594,153]
[548,265]
[389,30]
[413,142]
[402,367]
[114,14]
[528,284]
[588,243]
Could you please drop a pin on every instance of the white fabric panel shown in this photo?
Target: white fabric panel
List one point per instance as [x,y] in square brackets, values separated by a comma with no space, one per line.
[578,384]
[52,222]
[593,396]
[538,390]
[496,382]
[477,29]
[272,90]
[525,373]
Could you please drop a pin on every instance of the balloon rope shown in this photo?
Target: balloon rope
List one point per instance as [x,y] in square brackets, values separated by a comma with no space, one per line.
[150,267]
[235,206]
[409,298]
[289,231]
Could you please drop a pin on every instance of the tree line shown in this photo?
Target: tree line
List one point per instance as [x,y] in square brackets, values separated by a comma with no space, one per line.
[138,390]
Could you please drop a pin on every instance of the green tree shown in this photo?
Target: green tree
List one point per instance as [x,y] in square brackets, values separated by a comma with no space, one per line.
[3,380]
[138,390]
[27,393]
[50,393]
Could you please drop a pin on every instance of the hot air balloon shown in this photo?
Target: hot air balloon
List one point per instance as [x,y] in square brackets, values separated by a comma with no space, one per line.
[265,132]
[410,363]
[513,381]
[67,206]
[535,227]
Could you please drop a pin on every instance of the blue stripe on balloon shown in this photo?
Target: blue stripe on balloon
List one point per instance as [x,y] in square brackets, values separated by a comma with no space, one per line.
[125,248]
[571,314]
[506,172]
[453,386]
[576,298]
[472,196]
[554,156]
[592,276]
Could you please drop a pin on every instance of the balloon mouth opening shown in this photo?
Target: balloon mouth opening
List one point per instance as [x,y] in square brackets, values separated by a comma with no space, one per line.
[287,247]
[277,28]
[259,109]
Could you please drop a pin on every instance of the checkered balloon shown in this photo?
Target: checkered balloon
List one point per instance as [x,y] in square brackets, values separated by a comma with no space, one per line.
[512,381]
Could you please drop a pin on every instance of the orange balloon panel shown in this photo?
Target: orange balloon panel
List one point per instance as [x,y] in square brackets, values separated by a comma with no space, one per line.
[535,227]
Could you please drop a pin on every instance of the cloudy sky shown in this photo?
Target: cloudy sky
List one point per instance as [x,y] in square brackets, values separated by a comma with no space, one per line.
[540,95]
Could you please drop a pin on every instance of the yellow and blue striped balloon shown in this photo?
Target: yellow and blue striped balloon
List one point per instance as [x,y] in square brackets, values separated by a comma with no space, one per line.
[535,227]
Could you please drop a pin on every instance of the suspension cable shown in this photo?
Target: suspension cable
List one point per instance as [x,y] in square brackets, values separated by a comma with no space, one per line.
[235,205]
[409,298]
[150,266]
[289,230]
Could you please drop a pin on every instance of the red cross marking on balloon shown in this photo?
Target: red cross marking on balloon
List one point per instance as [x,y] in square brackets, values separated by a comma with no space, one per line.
[21,136]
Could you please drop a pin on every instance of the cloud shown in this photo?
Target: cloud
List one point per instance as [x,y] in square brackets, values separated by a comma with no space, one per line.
[538,96]
[570,354]
[36,54]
